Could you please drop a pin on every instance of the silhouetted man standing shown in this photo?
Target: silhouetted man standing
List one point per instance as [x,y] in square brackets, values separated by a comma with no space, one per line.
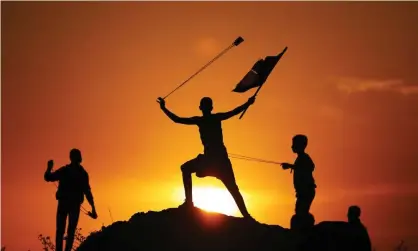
[215,161]
[73,185]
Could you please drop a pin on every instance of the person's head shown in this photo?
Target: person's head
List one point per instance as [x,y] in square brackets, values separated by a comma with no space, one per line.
[206,105]
[299,143]
[353,213]
[75,156]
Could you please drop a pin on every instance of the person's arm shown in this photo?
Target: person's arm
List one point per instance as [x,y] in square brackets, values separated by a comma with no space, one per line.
[305,162]
[174,117]
[287,166]
[50,176]
[368,243]
[236,111]
[89,195]
[87,191]
[180,120]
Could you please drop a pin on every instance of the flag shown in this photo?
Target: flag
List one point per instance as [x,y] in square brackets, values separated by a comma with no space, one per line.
[259,73]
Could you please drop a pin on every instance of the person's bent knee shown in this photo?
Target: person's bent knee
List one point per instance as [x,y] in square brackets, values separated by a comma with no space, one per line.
[185,168]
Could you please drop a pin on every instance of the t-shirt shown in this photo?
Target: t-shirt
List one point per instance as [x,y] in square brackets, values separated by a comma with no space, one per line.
[302,173]
[73,183]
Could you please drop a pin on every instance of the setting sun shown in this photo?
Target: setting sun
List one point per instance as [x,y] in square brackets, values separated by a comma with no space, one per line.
[214,199]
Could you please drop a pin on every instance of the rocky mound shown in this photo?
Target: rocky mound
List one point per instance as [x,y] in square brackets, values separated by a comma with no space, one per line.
[197,230]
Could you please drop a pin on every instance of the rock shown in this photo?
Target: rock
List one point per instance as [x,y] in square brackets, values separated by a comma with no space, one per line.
[185,230]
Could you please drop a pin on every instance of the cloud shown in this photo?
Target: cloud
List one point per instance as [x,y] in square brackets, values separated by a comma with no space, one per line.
[408,189]
[352,85]
[376,190]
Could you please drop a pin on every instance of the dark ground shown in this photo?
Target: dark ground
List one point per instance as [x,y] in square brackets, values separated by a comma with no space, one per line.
[179,229]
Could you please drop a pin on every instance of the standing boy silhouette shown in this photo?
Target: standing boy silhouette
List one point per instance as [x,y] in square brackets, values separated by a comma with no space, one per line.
[303,180]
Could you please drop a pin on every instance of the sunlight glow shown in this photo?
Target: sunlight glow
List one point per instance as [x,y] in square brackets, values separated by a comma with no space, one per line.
[214,199]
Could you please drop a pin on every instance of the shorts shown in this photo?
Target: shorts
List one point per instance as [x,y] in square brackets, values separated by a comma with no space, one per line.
[218,166]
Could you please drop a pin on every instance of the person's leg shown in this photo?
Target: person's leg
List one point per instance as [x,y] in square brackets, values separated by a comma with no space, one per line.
[73,216]
[187,169]
[228,178]
[304,201]
[61,219]
[310,199]
[236,194]
[298,203]
[304,220]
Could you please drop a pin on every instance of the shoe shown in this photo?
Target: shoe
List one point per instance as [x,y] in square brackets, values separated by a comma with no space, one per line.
[249,218]
[188,205]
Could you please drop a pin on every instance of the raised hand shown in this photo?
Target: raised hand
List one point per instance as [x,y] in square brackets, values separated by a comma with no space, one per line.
[161,101]
[93,214]
[251,100]
[285,165]
[50,164]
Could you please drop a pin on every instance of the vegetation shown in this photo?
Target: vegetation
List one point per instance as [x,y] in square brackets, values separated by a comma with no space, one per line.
[48,245]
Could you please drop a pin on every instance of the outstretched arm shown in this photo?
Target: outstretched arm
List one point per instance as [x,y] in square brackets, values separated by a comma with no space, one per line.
[236,111]
[179,120]
[287,166]
[304,163]
[174,117]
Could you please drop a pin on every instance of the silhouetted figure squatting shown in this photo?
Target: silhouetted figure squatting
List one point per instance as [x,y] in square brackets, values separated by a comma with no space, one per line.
[303,180]
[215,161]
[358,228]
[73,185]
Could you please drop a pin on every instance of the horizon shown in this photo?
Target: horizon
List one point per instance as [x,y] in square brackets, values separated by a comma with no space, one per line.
[86,75]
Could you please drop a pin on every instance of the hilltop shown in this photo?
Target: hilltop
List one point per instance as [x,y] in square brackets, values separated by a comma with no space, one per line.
[179,229]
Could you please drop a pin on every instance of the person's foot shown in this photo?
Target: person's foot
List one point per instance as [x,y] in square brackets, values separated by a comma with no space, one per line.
[187,205]
[249,218]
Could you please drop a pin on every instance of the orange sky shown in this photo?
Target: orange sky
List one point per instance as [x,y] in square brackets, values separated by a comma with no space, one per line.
[86,75]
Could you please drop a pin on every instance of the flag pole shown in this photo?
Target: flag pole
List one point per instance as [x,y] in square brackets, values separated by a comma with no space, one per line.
[255,94]
[259,88]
